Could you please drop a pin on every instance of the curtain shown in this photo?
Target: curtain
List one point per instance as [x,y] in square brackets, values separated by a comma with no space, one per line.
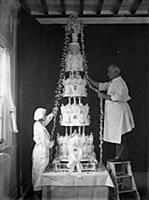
[7,107]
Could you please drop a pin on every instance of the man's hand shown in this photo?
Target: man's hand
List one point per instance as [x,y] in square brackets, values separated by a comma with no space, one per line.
[55,109]
[92,82]
[101,95]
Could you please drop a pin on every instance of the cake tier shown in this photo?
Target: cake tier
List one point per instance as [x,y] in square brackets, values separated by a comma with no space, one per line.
[74,87]
[75,146]
[74,115]
[74,59]
[60,166]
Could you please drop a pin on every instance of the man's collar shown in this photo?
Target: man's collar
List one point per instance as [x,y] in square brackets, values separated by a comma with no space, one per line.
[119,77]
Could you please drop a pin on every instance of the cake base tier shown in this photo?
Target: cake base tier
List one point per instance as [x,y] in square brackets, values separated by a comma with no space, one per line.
[86,166]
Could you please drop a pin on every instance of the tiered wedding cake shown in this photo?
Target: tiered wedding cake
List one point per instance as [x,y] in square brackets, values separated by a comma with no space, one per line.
[75,149]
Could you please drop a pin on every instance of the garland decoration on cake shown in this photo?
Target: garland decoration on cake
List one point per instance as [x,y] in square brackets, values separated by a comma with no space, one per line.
[85,65]
[59,88]
[100,122]
[101,130]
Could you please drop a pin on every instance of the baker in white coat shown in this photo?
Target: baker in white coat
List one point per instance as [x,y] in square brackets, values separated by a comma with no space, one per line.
[118,118]
[41,137]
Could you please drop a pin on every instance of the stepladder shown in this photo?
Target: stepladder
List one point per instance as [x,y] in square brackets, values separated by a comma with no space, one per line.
[122,176]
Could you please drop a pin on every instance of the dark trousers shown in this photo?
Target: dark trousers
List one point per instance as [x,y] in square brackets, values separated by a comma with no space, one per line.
[122,149]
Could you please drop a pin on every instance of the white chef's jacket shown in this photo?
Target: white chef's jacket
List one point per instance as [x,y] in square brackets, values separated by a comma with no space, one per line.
[40,156]
[118,118]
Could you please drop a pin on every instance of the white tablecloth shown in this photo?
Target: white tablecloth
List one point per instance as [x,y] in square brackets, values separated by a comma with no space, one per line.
[75,193]
[75,186]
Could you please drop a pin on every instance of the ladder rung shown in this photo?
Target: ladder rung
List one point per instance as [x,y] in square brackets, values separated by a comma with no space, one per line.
[126,191]
[123,176]
[118,163]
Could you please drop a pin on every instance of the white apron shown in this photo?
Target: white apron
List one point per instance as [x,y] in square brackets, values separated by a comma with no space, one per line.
[118,120]
[40,155]
[40,162]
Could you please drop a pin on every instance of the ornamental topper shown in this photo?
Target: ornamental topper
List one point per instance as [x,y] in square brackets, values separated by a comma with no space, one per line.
[74,27]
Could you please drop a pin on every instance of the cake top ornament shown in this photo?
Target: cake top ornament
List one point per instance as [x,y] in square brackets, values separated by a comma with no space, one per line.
[74,58]
[74,27]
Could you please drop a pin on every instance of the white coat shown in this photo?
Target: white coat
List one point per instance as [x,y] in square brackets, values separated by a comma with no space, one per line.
[40,155]
[118,118]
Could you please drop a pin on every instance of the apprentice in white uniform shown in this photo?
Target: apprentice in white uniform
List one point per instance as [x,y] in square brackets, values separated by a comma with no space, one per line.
[41,137]
[118,118]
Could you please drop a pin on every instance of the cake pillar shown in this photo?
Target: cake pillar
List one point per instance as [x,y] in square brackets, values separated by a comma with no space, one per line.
[70,130]
[66,131]
[79,130]
[83,132]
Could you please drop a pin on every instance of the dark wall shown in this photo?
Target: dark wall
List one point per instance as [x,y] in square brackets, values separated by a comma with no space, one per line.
[39,56]
[127,46]
[29,89]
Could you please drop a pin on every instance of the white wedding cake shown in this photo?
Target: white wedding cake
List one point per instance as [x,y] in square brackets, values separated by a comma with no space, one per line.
[75,149]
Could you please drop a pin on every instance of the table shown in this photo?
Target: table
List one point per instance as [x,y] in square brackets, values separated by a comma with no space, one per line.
[76,186]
